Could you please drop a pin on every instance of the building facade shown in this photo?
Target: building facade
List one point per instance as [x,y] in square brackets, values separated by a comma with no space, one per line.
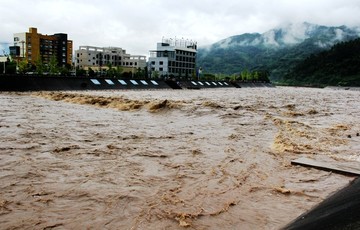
[33,46]
[173,57]
[101,58]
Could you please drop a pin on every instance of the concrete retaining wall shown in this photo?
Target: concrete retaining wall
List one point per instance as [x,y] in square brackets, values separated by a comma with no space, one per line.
[54,83]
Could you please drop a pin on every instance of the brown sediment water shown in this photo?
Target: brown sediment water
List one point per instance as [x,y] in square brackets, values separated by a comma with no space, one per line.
[162,159]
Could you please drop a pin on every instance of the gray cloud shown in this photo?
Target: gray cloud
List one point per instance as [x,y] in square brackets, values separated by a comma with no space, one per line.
[137,25]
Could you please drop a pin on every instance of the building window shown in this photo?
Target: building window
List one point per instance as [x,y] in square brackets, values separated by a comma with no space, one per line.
[161,63]
[161,69]
[152,63]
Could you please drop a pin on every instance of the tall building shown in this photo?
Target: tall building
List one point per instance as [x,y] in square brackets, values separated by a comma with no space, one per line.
[173,57]
[100,58]
[32,45]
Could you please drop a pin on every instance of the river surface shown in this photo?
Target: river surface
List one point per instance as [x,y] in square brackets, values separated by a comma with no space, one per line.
[171,159]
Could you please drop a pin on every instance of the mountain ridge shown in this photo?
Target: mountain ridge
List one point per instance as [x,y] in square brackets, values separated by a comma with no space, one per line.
[290,34]
[275,50]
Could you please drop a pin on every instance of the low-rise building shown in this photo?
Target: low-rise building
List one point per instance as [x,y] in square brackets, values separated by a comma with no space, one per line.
[33,46]
[98,58]
[173,57]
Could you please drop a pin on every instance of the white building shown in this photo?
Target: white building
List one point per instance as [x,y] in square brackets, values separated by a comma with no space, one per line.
[96,57]
[20,41]
[173,57]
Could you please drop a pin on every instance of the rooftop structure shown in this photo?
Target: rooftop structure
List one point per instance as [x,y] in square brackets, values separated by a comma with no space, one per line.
[102,57]
[173,57]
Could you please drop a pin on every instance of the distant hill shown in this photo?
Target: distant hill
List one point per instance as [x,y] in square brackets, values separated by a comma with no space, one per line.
[276,51]
[338,66]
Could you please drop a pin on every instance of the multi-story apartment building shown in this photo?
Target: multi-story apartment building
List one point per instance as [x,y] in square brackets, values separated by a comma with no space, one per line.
[98,58]
[173,57]
[32,46]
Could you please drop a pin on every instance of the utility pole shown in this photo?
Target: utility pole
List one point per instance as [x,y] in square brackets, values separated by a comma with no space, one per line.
[4,71]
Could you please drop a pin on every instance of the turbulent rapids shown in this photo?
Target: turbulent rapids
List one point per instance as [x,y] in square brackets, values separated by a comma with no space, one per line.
[167,159]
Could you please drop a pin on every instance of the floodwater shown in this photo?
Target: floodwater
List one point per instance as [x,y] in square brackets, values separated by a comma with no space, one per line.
[171,159]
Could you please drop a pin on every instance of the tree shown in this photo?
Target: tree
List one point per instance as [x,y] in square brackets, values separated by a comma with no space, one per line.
[155,74]
[80,72]
[110,72]
[256,75]
[53,65]
[39,66]
[244,75]
[64,71]
[23,66]
[10,67]
[118,71]
[127,75]
[140,73]
[91,72]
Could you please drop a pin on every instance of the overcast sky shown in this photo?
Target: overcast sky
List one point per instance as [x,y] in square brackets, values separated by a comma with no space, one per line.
[137,25]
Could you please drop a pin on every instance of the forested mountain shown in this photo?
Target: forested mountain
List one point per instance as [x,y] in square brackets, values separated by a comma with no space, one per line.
[338,66]
[276,51]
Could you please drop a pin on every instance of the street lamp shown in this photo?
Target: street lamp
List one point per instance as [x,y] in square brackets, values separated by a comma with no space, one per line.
[3,60]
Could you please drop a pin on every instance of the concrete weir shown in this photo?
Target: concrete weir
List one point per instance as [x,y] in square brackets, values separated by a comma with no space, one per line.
[54,83]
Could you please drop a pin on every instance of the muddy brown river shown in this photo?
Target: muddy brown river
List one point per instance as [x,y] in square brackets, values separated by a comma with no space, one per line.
[171,159]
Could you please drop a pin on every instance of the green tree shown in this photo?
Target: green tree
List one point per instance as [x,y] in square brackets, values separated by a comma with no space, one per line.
[80,72]
[39,66]
[23,66]
[91,72]
[118,71]
[155,74]
[53,65]
[110,71]
[64,71]
[256,75]
[10,67]
[244,75]
[140,73]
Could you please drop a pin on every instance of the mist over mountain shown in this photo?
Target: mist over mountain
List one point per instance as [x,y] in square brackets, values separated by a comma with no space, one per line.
[277,50]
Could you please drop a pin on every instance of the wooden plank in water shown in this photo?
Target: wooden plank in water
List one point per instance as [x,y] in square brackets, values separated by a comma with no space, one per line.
[338,167]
